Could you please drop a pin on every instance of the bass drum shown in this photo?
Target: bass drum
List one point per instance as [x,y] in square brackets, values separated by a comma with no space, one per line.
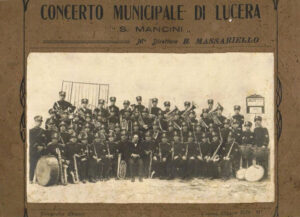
[47,171]
[240,174]
[254,173]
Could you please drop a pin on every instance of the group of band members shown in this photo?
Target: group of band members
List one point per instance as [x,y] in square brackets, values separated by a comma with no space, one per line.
[154,142]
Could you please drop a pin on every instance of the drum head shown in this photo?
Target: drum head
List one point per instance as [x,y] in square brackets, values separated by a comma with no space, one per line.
[254,173]
[123,168]
[240,174]
[47,171]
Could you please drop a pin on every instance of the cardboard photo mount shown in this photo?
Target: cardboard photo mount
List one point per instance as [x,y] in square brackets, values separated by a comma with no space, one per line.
[24,31]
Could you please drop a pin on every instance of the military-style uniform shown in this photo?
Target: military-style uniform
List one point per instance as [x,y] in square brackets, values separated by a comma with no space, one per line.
[37,145]
[261,139]
[148,148]
[63,105]
[136,153]
[71,150]
[192,153]
[178,162]
[238,117]
[155,110]
[231,165]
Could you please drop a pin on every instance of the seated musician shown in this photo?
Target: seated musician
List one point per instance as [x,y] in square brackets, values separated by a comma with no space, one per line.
[191,157]
[135,159]
[178,164]
[112,155]
[71,151]
[57,149]
[148,147]
[83,156]
[230,157]
[214,158]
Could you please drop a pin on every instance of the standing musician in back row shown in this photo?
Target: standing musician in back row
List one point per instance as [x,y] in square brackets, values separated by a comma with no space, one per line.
[139,107]
[154,109]
[62,104]
[101,111]
[84,110]
[237,116]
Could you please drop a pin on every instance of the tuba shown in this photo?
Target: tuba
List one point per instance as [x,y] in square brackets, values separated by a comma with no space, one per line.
[170,115]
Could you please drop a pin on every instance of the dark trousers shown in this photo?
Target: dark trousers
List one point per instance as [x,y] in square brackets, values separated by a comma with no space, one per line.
[191,168]
[82,165]
[107,167]
[136,167]
[226,169]
[33,162]
[92,168]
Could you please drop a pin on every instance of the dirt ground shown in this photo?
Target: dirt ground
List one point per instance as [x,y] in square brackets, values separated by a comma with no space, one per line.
[155,191]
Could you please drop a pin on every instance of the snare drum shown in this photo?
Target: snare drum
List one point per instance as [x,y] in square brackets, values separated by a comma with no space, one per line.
[47,171]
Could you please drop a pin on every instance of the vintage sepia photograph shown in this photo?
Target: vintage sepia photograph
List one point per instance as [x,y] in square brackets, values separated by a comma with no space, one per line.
[150,128]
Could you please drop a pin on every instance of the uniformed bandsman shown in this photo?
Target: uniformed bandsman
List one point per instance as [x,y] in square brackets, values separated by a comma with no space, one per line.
[237,116]
[62,104]
[261,139]
[210,103]
[154,108]
[191,156]
[247,144]
[37,144]
[136,153]
[167,105]
[140,107]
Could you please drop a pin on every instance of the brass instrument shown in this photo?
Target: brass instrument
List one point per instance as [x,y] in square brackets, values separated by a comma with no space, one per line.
[186,150]
[215,157]
[123,123]
[62,170]
[170,115]
[118,168]
[187,112]
[172,151]
[229,152]
[141,120]
[150,106]
[155,134]
[159,152]
[213,115]
[76,176]
[150,164]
